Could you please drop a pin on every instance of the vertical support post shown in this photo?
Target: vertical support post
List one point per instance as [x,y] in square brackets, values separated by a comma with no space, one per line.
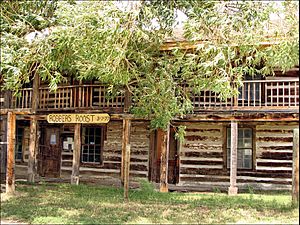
[232,190]
[76,154]
[11,139]
[125,164]
[126,172]
[125,142]
[164,160]
[295,182]
[33,130]
[32,150]
[3,145]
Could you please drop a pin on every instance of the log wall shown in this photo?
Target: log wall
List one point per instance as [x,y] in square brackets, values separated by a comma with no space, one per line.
[112,154]
[203,156]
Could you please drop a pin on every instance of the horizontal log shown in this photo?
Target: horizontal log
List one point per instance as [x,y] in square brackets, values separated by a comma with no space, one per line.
[274,168]
[274,164]
[185,163]
[280,140]
[202,166]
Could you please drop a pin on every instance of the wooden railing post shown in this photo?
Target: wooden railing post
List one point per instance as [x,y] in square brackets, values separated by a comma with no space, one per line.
[11,139]
[127,100]
[7,100]
[164,160]
[35,93]
[232,190]
[76,154]
[295,182]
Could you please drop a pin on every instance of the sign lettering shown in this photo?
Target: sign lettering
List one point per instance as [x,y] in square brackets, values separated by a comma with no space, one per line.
[78,118]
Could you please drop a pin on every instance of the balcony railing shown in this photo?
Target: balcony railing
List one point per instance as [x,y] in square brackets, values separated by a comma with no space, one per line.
[85,97]
[254,95]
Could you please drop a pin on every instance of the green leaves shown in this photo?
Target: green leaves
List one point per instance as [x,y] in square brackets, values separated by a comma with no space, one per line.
[120,47]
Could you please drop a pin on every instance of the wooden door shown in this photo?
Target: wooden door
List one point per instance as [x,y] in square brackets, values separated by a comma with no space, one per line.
[155,157]
[173,167]
[50,153]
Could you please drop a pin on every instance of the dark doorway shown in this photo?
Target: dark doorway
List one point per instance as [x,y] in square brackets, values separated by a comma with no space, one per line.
[50,152]
[155,157]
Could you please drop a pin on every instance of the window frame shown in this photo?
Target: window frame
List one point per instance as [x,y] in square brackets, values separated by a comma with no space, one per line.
[101,145]
[225,156]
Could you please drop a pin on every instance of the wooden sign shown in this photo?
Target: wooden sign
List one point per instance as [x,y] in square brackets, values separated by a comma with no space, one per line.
[78,118]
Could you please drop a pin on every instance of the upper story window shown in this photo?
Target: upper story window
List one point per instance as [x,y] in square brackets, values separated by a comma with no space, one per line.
[244,149]
[92,145]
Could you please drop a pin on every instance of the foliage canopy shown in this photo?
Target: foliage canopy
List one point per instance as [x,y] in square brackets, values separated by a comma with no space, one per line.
[119,45]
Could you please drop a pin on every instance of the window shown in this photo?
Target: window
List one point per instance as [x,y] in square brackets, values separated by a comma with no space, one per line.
[91,150]
[245,148]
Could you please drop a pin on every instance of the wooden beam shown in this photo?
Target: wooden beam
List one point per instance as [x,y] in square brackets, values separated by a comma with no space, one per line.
[76,154]
[11,139]
[295,182]
[232,190]
[126,172]
[164,160]
[32,150]
[125,142]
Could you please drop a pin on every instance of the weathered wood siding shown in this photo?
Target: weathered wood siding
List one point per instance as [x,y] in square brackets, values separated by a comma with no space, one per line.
[274,155]
[203,156]
[112,153]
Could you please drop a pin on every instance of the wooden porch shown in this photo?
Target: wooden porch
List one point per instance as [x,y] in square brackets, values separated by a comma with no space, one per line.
[255,95]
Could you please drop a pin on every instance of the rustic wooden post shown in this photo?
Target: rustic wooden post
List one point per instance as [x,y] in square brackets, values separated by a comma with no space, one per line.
[125,163]
[3,145]
[126,172]
[32,150]
[164,160]
[295,184]
[76,155]
[232,190]
[11,139]
[33,130]
[125,142]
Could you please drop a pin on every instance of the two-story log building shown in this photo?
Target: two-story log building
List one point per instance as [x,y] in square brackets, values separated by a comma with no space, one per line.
[258,123]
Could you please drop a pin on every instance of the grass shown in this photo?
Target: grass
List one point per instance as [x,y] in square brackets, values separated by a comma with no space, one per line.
[87,204]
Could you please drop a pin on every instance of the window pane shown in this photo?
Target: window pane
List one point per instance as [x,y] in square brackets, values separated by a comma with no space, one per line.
[92,146]
[244,151]
[247,143]
[248,133]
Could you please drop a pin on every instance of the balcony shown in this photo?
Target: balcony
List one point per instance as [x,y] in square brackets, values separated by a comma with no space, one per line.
[255,95]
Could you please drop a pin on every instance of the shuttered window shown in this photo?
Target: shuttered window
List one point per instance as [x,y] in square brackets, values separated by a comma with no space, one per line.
[245,148]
